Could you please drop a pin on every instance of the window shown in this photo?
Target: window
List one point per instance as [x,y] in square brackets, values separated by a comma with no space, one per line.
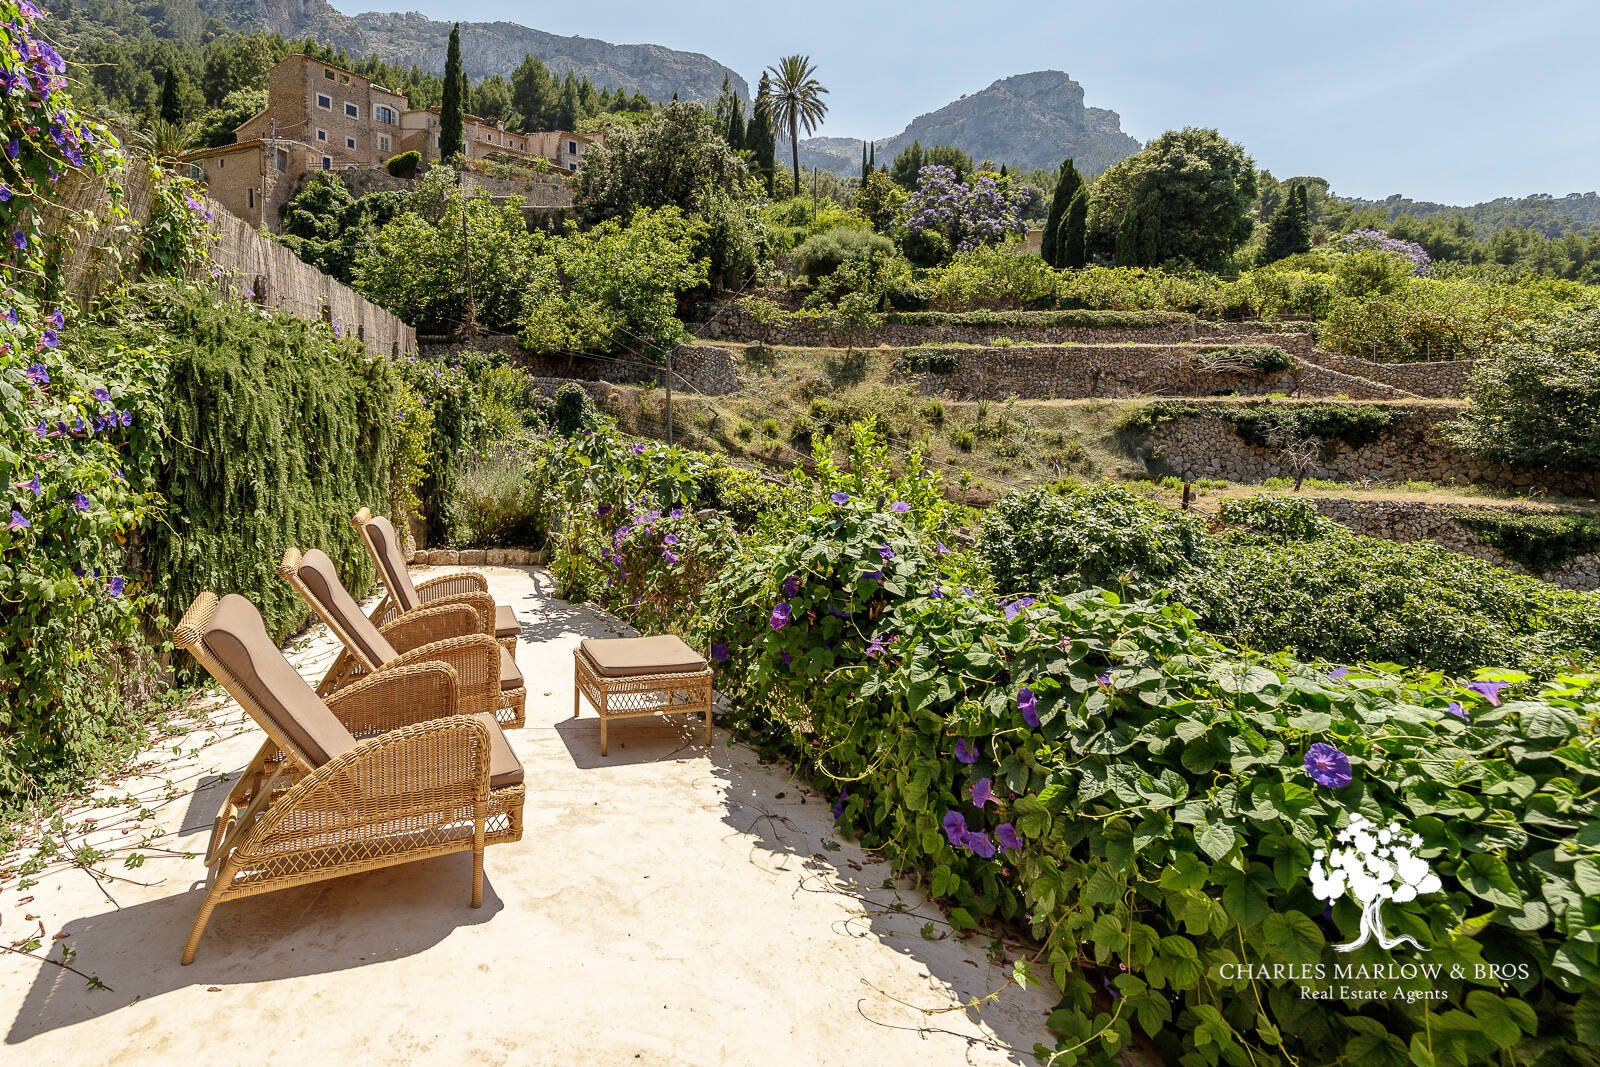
[383,144]
[250,197]
[344,79]
[572,167]
[325,102]
[221,163]
[327,162]
[572,147]
[322,135]
[326,73]
[385,115]
[281,160]
[351,111]
[349,142]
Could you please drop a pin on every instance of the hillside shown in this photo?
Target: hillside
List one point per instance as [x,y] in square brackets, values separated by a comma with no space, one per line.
[1553,216]
[1027,121]
[414,39]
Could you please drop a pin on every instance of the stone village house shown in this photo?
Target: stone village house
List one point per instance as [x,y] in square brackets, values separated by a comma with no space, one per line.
[322,117]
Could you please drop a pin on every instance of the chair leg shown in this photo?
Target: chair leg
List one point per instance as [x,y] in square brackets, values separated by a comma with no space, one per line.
[199,928]
[477,855]
[602,735]
[708,727]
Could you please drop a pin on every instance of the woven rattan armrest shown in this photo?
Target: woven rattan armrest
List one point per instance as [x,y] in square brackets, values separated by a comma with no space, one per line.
[451,584]
[397,696]
[427,625]
[476,659]
[480,602]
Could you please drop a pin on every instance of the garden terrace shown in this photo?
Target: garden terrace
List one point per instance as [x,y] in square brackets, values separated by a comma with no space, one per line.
[698,894]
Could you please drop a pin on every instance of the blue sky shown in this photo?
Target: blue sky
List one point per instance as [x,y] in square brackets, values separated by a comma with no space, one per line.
[1450,101]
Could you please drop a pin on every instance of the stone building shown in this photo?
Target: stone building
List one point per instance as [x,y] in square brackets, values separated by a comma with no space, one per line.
[322,116]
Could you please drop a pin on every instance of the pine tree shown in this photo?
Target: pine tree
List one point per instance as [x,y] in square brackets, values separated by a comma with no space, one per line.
[1073,248]
[1149,236]
[1126,253]
[1289,229]
[452,128]
[1068,182]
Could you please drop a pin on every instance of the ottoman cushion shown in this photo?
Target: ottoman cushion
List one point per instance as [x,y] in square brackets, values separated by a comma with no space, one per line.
[628,657]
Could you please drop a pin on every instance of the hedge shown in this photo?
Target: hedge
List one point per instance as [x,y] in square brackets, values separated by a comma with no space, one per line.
[1101,320]
[1540,543]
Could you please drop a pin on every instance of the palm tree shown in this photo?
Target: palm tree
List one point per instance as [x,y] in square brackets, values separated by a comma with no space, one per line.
[794,102]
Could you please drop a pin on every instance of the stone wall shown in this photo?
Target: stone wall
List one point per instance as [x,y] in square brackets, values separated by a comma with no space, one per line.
[1444,380]
[1416,520]
[734,324]
[709,369]
[1206,446]
[1040,372]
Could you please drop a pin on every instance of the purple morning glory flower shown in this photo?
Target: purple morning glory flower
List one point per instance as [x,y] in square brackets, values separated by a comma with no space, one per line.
[58,319]
[671,540]
[1338,673]
[966,751]
[885,552]
[980,845]
[780,615]
[873,576]
[1489,691]
[125,417]
[1017,607]
[719,652]
[955,827]
[788,660]
[937,593]
[5,193]
[840,498]
[675,513]
[12,149]
[791,586]
[19,240]
[1006,834]
[899,507]
[941,550]
[1327,766]
[638,450]
[1457,710]
[102,395]
[1104,678]
[80,501]
[116,585]
[17,521]
[1028,704]
[38,374]
[875,647]
[983,793]
[603,510]
[838,804]
[669,555]
[33,484]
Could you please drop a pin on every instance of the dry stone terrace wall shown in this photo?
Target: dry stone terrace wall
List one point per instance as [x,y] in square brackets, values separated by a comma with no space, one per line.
[734,324]
[1205,445]
[1415,520]
[709,369]
[1042,372]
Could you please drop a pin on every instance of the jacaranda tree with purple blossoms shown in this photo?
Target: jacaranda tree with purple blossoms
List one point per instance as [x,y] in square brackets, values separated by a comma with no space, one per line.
[961,213]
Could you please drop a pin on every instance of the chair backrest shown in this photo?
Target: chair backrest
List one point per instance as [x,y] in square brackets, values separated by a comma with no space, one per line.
[229,639]
[378,534]
[317,581]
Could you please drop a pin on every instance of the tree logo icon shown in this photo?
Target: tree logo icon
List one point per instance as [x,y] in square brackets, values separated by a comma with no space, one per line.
[1372,866]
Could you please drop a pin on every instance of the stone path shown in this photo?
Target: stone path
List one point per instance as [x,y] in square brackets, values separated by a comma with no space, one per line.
[667,905]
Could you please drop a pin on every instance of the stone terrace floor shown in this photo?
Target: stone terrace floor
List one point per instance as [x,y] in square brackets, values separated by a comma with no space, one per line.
[666,905]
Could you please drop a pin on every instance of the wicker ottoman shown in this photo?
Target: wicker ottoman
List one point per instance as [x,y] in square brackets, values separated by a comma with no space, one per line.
[630,677]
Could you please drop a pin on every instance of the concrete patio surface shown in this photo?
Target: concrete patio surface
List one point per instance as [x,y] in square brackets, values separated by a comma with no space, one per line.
[666,905]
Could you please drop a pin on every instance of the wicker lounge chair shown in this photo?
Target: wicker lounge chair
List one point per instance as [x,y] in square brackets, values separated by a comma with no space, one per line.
[383,544]
[317,802]
[453,632]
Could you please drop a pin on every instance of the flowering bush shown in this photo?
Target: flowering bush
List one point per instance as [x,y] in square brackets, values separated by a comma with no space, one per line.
[1378,241]
[965,213]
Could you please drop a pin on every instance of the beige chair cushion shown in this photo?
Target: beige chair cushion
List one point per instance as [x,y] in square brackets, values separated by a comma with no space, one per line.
[237,639]
[510,675]
[317,571]
[505,621]
[393,561]
[626,657]
[504,767]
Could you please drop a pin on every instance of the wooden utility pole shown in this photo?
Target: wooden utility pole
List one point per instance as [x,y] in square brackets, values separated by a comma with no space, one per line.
[668,380]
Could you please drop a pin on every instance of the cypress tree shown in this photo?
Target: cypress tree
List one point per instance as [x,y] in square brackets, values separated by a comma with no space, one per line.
[872,158]
[1289,229]
[866,164]
[736,126]
[1149,236]
[1073,248]
[452,128]
[172,94]
[1068,182]
[1126,253]
[759,136]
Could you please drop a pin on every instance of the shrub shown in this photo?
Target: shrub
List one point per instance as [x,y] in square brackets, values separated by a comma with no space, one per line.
[403,164]
[1081,536]
[1094,320]
[1287,518]
[1539,542]
[1266,359]
[1137,289]
[826,252]
[1264,424]
[992,276]
[1536,401]
[496,501]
